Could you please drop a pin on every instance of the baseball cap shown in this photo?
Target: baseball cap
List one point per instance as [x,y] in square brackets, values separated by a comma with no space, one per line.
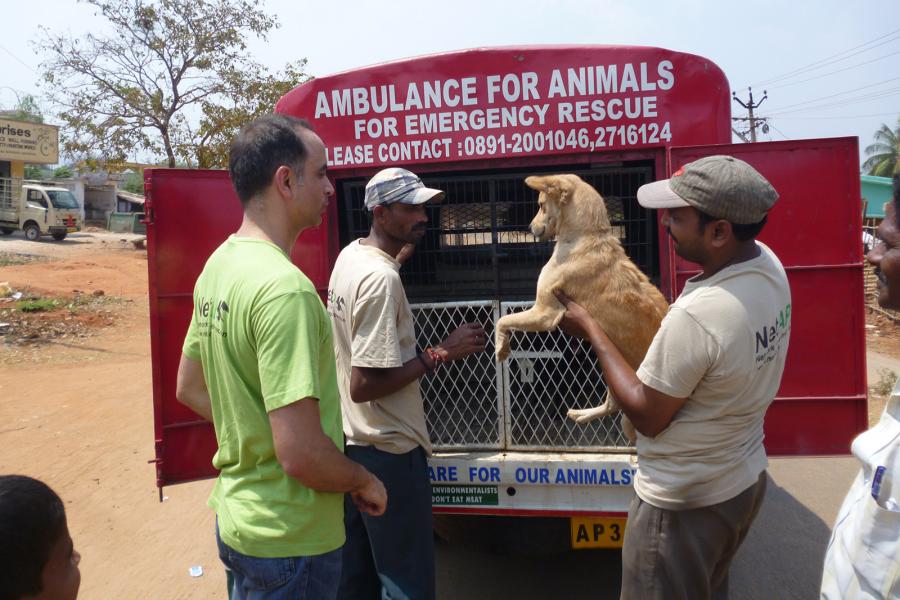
[721,186]
[399,185]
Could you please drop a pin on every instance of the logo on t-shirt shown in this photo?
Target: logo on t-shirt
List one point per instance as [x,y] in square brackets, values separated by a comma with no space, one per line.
[335,305]
[770,338]
[211,316]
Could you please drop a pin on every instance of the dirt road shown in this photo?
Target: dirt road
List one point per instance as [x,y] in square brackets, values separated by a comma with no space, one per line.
[76,412]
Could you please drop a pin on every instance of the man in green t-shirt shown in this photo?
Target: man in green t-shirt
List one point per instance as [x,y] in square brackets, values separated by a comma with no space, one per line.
[258,362]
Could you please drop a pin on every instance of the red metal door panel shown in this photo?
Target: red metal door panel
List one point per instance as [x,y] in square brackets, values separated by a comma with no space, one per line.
[823,357]
[815,231]
[813,426]
[189,214]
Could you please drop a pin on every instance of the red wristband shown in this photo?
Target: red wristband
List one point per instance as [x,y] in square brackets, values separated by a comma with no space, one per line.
[435,357]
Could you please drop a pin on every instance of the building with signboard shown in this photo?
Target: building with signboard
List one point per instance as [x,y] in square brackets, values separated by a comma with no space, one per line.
[22,142]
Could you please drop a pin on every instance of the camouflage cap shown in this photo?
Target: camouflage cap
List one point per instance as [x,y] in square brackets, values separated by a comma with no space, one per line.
[398,185]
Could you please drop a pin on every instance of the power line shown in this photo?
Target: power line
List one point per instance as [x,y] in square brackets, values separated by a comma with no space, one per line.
[781,85]
[845,102]
[888,114]
[818,63]
[770,126]
[22,62]
[779,131]
[850,91]
[837,60]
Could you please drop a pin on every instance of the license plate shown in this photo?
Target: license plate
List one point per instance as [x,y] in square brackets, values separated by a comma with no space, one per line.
[71,229]
[597,532]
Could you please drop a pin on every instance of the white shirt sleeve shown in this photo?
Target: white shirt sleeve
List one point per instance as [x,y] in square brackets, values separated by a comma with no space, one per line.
[374,341]
[679,356]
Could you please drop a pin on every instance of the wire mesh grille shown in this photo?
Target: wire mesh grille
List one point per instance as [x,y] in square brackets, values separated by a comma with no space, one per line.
[477,245]
[462,399]
[470,405]
[545,376]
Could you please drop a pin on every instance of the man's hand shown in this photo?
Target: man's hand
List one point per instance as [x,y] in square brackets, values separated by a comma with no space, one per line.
[371,498]
[405,253]
[467,339]
[575,321]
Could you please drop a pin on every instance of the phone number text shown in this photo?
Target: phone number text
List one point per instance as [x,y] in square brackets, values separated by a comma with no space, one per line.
[574,139]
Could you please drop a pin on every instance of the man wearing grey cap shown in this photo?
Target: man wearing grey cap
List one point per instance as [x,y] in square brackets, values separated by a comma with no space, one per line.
[379,367]
[699,398]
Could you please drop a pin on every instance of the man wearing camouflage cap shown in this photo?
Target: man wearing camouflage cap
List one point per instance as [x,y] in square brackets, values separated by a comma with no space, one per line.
[699,398]
[379,367]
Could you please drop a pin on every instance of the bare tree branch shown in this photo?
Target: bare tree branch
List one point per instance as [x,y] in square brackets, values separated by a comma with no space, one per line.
[175,78]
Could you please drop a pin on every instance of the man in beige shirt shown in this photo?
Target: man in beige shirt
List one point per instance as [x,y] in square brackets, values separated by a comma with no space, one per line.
[378,371]
[700,396]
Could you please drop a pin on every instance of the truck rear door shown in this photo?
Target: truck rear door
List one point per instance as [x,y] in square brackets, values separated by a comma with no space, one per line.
[189,213]
[814,229]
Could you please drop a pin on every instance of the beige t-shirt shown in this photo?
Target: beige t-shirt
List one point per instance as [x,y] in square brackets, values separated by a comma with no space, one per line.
[373,327]
[722,346]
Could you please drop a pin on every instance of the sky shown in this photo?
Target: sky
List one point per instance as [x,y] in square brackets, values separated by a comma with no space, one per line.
[830,68]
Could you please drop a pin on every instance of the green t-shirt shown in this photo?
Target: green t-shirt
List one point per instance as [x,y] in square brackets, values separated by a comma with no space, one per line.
[264,339]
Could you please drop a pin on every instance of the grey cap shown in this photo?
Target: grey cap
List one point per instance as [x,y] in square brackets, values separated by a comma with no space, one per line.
[398,185]
[723,187]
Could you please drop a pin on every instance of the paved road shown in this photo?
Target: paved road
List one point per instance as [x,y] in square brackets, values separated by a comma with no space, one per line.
[781,558]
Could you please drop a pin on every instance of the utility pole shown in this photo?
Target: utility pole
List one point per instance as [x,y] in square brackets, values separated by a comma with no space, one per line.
[749,105]
[741,135]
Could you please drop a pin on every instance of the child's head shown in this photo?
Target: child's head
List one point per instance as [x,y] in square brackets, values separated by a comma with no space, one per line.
[37,559]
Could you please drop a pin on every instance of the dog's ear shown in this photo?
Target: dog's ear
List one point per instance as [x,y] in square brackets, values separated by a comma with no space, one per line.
[538,183]
[566,187]
[559,187]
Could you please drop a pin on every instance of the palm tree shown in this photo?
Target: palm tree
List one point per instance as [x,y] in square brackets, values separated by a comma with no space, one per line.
[884,153]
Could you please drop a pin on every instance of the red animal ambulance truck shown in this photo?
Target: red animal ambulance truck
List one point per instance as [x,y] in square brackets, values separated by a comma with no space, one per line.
[475,123]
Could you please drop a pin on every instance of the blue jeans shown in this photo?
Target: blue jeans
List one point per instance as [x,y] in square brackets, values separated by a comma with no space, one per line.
[294,578]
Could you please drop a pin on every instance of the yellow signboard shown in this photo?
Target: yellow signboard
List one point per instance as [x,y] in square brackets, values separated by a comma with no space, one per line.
[31,142]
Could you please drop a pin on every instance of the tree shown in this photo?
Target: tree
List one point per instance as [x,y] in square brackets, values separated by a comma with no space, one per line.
[254,94]
[33,172]
[174,79]
[27,109]
[884,154]
[63,172]
[134,183]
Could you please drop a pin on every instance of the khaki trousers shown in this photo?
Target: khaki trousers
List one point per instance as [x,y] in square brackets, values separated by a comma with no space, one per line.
[685,554]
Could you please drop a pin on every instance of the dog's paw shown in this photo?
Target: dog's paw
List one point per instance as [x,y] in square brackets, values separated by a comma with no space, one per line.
[502,352]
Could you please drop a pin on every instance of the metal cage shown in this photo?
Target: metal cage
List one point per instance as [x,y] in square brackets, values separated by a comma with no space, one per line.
[477,245]
[477,263]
